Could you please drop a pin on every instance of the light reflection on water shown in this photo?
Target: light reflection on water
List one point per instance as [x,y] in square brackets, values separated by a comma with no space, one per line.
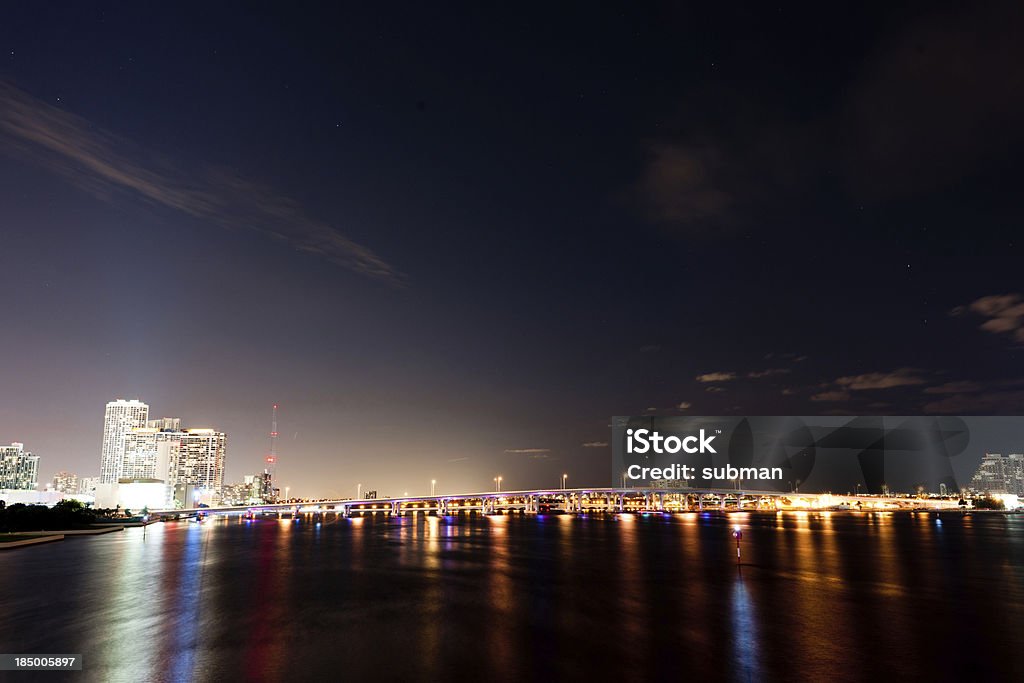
[853,596]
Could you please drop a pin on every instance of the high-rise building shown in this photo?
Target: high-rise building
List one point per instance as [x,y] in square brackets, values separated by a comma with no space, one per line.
[141,455]
[65,482]
[165,424]
[1000,474]
[119,419]
[197,459]
[1014,471]
[18,470]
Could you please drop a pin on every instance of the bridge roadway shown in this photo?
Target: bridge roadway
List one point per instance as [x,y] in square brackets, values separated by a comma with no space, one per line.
[540,500]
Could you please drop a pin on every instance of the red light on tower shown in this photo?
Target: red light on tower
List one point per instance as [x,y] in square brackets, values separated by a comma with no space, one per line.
[271,459]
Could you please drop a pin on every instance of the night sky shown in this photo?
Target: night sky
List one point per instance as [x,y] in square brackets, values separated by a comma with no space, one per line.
[452,244]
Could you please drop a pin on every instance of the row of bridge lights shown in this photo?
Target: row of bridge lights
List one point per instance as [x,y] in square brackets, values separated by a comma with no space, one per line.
[433,486]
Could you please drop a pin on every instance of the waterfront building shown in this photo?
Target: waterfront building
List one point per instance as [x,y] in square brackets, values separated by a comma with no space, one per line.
[140,455]
[87,485]
[19,470]
[254,489]
[999,474]
[137,450]
[165,424]
[196,460]
[65,482]
[119,419]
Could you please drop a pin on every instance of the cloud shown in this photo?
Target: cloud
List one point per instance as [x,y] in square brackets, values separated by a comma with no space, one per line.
[1004,314]
[679,185]
[988,403]
[527,450]
[106,166]
[458,459]
[594,444]
[757,374]
[961,387]
[835,395]
[716,377]
[881,380]
[714,390]
[684,405]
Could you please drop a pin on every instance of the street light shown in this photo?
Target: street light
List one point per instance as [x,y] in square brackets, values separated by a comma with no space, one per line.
[497,483]
[433,482]
[286,490]
[564,477]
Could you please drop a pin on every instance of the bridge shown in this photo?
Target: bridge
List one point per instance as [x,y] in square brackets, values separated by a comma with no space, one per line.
[571,501]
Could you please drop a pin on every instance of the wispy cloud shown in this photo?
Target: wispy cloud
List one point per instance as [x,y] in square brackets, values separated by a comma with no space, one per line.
[527,451]
[770,372]
[458,459]
[995,403]
[835,395]
[684,405]
[105,165]
[716,377]
[961,387]
[729,376]
[1003,313]
[595,444]
[679,185]
[901,377]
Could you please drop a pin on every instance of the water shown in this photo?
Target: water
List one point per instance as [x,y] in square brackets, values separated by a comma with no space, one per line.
[838,596]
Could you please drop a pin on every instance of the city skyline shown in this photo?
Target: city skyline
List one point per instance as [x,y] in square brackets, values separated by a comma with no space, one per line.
[162,449]
[454,263]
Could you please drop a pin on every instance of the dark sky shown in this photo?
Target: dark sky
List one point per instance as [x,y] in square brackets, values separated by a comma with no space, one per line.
[452,244]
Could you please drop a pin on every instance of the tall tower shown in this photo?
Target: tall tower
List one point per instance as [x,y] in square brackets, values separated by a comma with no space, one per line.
[272,457]
[120,417]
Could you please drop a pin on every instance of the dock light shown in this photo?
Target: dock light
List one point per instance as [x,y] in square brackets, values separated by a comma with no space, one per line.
[737,533]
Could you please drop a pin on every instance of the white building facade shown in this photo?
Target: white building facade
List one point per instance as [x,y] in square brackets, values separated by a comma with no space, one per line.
[19,470]
[119,419]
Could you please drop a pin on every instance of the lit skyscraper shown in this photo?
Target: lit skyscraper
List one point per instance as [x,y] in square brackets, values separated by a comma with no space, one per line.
[65,482]
[1000,474]
[18,470]
[140,455]
[121,417]
[197,460]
